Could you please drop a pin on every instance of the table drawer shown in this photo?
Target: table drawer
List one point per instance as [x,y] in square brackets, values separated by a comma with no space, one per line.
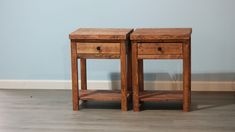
[98,49]
[160,48]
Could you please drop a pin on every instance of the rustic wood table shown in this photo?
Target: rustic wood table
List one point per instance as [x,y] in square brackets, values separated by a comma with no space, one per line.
[161,43]
[93,43]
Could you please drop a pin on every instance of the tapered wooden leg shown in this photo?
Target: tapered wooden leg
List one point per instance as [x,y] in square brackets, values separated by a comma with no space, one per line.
[75,88]
[141,75]
[135,78]
[186,77]
[123,77]
[83,74]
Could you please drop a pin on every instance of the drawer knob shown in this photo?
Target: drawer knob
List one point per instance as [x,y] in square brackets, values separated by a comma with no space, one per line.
[98,48]
[159,48]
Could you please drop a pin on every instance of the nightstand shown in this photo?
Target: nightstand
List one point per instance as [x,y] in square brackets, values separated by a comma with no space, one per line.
[101,43]
[161,43]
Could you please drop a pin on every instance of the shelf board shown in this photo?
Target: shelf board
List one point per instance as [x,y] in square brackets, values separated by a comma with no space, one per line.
[101,95]
[161,96]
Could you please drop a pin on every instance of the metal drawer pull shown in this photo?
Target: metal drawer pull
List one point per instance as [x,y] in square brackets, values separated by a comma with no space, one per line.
[98,48]
[159,49]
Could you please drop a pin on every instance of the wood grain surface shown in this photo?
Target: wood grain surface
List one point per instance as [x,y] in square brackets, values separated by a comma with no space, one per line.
[101,34]
[101,95]
[103,48]
[160,49]
[161,33]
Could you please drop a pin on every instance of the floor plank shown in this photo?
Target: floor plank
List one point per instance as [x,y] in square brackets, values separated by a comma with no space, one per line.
[51,111]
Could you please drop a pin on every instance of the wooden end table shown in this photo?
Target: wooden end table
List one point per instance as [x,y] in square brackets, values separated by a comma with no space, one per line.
[161,43]
[94,43]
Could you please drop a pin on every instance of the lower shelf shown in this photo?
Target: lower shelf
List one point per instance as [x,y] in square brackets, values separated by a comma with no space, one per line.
[101,95]
[161,96]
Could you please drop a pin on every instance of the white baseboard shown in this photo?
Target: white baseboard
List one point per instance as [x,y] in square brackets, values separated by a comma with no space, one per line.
[104,84]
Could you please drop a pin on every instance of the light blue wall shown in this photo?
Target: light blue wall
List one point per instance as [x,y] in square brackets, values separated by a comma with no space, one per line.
[34,41]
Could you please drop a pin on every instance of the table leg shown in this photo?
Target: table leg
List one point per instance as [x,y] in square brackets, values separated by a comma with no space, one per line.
[190,71]
[186,77]
[129,70]
[74,64]
[83,74]
[123,59]
[141,75]
[135,77]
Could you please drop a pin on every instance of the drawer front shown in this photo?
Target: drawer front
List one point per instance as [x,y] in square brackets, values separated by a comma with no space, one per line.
[98,49]
[160,49]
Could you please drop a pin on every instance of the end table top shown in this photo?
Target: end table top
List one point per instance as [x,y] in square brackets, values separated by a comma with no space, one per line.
[161,33]
[101,34]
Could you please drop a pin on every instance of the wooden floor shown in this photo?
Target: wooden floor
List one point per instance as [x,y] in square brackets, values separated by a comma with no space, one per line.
[51,111]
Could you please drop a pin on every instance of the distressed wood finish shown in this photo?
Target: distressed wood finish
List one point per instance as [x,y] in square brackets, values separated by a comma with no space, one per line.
[187,76]
[99,56]
[168,43]
[141,74]
[74,64]
[83,74]
[159,49]
[98,48]
[124,84]
[158,34]
[160,56]
[101,95]
[100,34]
[135,77]
[93,43]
